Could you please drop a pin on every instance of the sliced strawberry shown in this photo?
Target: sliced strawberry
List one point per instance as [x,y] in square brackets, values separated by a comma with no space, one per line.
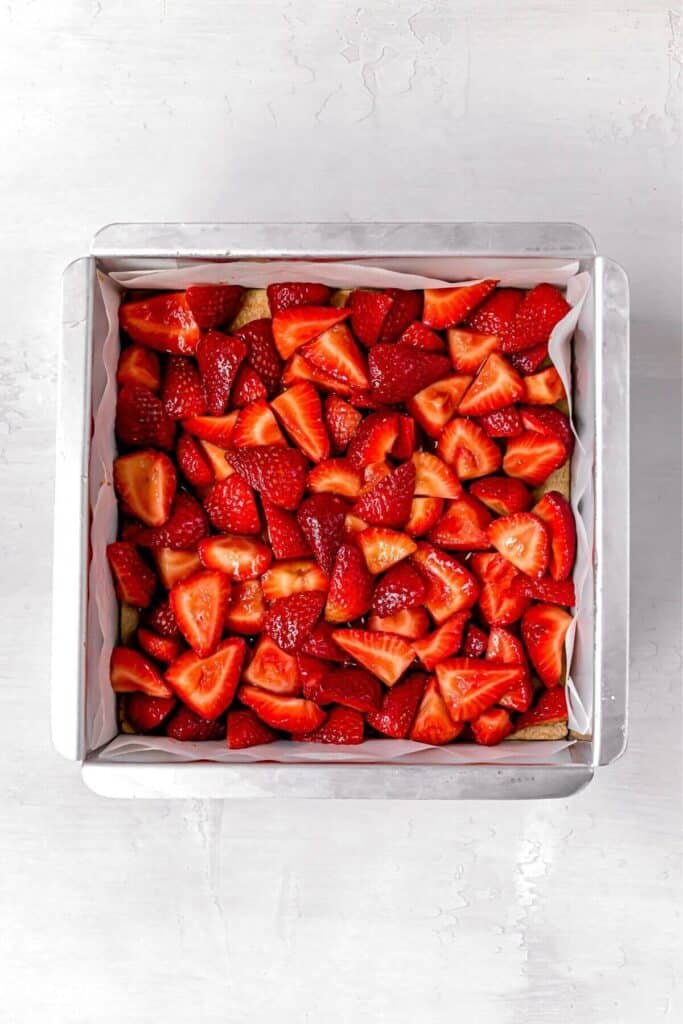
[503,495]
[532,457]
[335,352]
[465,446]
[548,421]
[300,411]
[240,558]
[433,478]
[556,513]
[463,527]
[496,386]
[174,566]
[162,620]
[298,325]
[288,294]
[470,686]
[432,722]
[130,672]
[496,312]
[491,727]
[373,473]
[311,673]
[135,582]
[219,357]
[406,306]
[369,310]
[321,518]
[145,713]
[298,369]
[214,304]
[551,591]
[374,439]
[544,628]
[445,307]
[475,642]
[469,350]
[231,506]
[248,387]
[199,604]
[182,393]
[192,461]
[185,526]
[542,308]
[335,476]
[279,474]
[505,422]
[397,372]
[443,643]
[262,355]
[343,726]
[420,336]
[389,502]
[424,512]
[450,586]
[141,418]
[245,729]
[544,388]
[401,587]
[293,576]
[504,646]
[256,426]
[146,481]
[550,708]
[290,620]
[161,648]
[216,430]
[139,365]
[412,623]
[207,685]
[385,655]
[186,726]
[383,548]
[342,421]
[522,539]
[407,438]
[351,586]
[247,608]
[285,534]
[353,687]
[273,669]
[216,458]
[500,599]
[399,706]
[528,361]
[163,322]
[321,644]
[290,714]
[434,406]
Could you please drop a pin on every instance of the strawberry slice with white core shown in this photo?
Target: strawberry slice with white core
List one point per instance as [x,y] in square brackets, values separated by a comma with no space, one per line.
[434,406]
[385,655]
[469,685]
[468,349]
[446,307]
[239,558]
[199,604]
[556,513]
[273,669]
[443,643]
[412,623]
[383,548]
[207,685]
[466,447]
[218,430]
[432,722]
[433,478]
[290,714]
[501,601]
[298,325]
[501,494]
[335,476]
[300,411]
[544,628]
[293,576]
[130,671]
[544,388]
[163,322]
[523,540]
[335,352]
[174,566]
[247,608]
[424,512]
[532,457]
[450,586]
[146,480]
[463,527]
[496,385]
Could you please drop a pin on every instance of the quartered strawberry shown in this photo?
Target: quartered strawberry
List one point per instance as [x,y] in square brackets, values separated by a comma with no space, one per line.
[432,722]
[419,335]
[503,495]
[401,587]
[475,642]
[199,604]
[311,673]
[174,566]
[192,461]
[135,582]
[374,439]
[528,361]
[239,558]
[412,623]
[385,655]
[321,644]
[465,446]
[443,643]
[470,686]
[544,388]
[532,457]
[182,393]
[139,365]
[300,411]
[450,586]
[383,548]
[505,422]
[298,369]
[556,513]
[335,352]
[262,355]
[321,519]
[288,294]
[542,308]
[248,387]
[217,430]
[130,671]
[424,512]
[545,420]
[445,307]
[433,478]
[496,312]
[298,325]
[351,586]
[397,372]
[335,476]
[389,502]
[245,729]
[469,349]
[290,620]
[406,306]
[544,628]
[145,713]
[342,421]
[463,527]
[163,322]
[273,669]
[373,473]
[214,304]
[231,506]
[506,647]
[343,726]
[491,727]
[162,620]
[522,539]
[161,648]
[185,526]
[500,599]
[217,459]
[353,687]
[141,418]
[496,385]
[550,708]
[247,608]
[219,357]
[185,725]
[207,685]
[551,591]
[290,714]
[284,533]
[399,706]
[406,441]
[369,310]
[293,576]
[256,426]
[278,474]
[146,481]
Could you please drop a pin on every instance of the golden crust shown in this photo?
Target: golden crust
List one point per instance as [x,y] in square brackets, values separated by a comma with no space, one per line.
[128,623]
[554,731]
[254,307]
[559,480]
[340,297]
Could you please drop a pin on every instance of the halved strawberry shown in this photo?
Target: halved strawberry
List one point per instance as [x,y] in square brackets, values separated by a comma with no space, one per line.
[397,372]
[342,421]
[491,727]
[256,426]
[311,673]
[321,644]
[353,687]
[503,495]
[192,461]
[134,580]
[290,620]
[450,586]
[216,458]
[544,628]
[556,513]
[443,643]
[162,620]
[231,506]
[199,604]
[290,714]
[321,518]
[219,357]
[412,623]
[532,457]
[139,365]
[496,386]
[163,322]
[389,502]
[185,526]
[432,722]
[286,295]
[161,648]
[239,558]
[145,713]
[335,352]
[373,473]
[500,599]
[433,406]
[469,350]
[284,533]
[544,388]
[293,576]
[248,387]
[475,642]
[299,324]
[207,685]
[424,512]
[401,587]
[343,726]
[406,441]
[550,708]
[262,355]
[445,307]
[146,481]
[186,726]
[141,418]
[351,586]
[182,393]
[496,312]
[506,647]
[273,669]
[174,566]
[369,310]
[469,685]
[522,539]
[463,527]
[406,306]
[383,548]
[245,729]
[551,591]
[374,439]
[433,478]
[465,446]
[335,476]
[130,671]
[214,304]
[247,608]
[279,474]
[399,706]
[385,655]
[419,335]
[505,422]
[300,412]
[217,430]
[542,308]
[298,369]
[546,420]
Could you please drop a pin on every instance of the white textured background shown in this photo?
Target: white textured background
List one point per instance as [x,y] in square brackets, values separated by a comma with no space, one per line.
[249,912]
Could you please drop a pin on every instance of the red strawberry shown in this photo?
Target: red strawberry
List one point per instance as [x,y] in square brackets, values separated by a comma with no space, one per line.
[163,322]
[557,515]
[262,355]
[369,310]
[550,590]
[397,372]
[491,727]
[256,426]
[373,439]
[532,457]
[141,418]
[145,713]
[161,648]
[424,512]
[353,687]
[321,518]
[311,673]
[504,646]
[496,312]
[450,586]
[290,620]
[389,502]
[335,352]
[247,608]
[435,405]
[445,307]
[185,725]
[248,387]
[405,307]
[300,412]
[231,506]
[475,643]
[290,714]
[549,422]
[321,644]
[399,706]
[135,581]
[443,643]
[351,586]
[500,600]
[335,476]
[343,726]
[383,548]
[412,623]
[468,350]
[199,604]
[464,526]
[162,620]
[192,461]
[289,294]
[502,494]
[174,566]
[365,399]
[293,577]
[529,360]
[239,558]
[214,304]
[219,357]
[207,685]
[544,628]
[550,708]
[372,475]
[217,430]
[279,474]
[342,421]
[419,336]
[523,540]
[385,655]
[130,671]
[401,587]
[465,446]
[139,365]
[407,438]
[432,722]
[146,481]
[537,314]
[298,369]
[215,457]
[244,729]
[504,422]
[185,526]
[285,534]
[496,386]
[470,686]
[182,393]
[433,478]
[273,669]
[297,325]
[544,388]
